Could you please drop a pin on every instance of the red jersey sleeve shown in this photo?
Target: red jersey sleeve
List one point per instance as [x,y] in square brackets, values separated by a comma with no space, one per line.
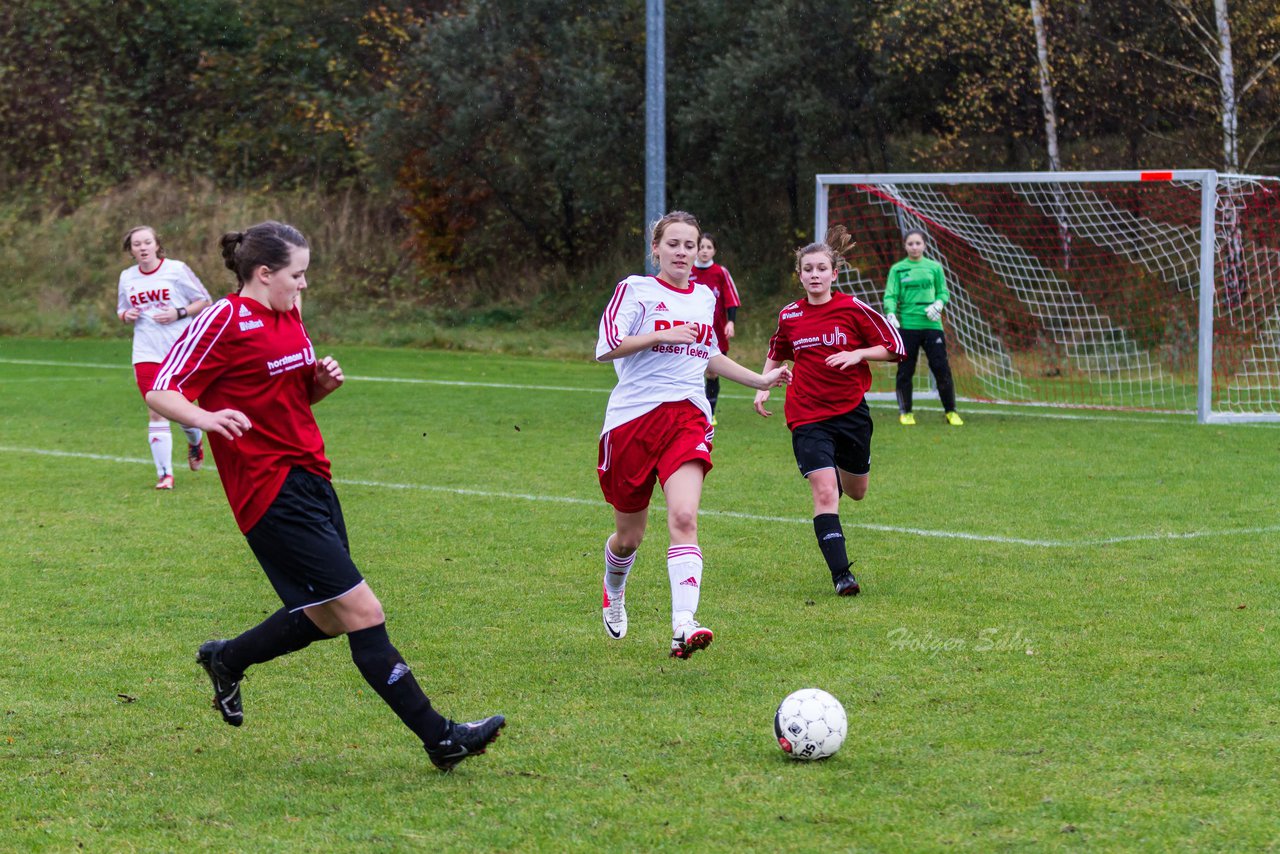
[780,344]
[875,330]
[730,291]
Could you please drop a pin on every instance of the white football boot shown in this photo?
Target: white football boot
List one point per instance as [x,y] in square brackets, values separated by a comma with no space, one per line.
[689,638]
[615,615]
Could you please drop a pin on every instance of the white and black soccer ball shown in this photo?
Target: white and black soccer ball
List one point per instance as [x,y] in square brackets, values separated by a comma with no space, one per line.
[810,724]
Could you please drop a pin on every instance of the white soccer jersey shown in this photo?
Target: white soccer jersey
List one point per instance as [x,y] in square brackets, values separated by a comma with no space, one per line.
[171,284]
[664,373]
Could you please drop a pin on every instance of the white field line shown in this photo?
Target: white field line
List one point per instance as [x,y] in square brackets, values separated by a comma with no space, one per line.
[47,380]
[975,407]
[727,514]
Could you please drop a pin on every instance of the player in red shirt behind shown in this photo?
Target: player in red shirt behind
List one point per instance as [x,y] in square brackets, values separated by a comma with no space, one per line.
[250,364]
[707,272]
[830,337]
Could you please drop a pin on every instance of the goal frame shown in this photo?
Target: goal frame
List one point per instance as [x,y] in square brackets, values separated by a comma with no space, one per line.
[1208,181]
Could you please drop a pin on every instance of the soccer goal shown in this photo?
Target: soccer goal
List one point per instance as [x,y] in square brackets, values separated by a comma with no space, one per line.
[1124,290]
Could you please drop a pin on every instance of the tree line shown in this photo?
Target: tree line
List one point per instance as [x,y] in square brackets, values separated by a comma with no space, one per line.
[509,134]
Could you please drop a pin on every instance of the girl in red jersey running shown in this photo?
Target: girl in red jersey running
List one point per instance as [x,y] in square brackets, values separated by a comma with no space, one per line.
[830,337]
[707,272]
[658,332]
[159,296]
[250,364]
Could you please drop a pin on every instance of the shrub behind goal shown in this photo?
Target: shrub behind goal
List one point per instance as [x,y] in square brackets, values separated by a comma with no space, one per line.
[1126,290]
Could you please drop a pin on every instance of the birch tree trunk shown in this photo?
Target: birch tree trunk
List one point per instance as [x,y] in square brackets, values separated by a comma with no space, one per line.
[1050,126]
[1234,283]
[1227,76]
[1046,86]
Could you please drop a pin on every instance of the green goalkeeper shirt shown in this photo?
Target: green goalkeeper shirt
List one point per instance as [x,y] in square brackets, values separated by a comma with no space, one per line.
[912,287]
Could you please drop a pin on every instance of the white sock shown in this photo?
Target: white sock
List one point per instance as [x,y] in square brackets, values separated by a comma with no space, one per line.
[161,441]
[194,435]
[684,568]
[616,570]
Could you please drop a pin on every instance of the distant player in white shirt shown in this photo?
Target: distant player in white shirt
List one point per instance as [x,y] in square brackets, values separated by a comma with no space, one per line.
[159,296]
[658,331]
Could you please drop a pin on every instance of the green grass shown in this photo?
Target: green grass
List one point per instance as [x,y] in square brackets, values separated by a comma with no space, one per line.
[1039,659]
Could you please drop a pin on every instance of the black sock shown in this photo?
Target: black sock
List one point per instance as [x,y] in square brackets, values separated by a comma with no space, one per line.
[713,392]
[826,527]
[280,634]
[382,667]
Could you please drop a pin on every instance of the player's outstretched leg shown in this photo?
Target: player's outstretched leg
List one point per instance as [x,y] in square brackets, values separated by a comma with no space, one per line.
[464,740]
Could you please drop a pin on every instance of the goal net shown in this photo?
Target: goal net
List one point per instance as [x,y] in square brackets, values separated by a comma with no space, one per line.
[1127,290]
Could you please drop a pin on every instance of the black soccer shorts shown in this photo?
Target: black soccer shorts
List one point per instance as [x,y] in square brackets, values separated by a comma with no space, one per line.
[843,442]
[301,542]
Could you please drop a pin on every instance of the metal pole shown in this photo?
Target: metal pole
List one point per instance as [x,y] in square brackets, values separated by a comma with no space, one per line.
[655,124]
[1208,219]
[820,224]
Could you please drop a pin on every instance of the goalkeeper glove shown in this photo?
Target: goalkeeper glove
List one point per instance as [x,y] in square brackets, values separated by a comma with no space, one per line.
[893,321]
[934,311]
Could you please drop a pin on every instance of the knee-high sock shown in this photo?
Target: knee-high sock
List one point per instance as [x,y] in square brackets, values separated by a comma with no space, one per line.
[161,442]
[826,527]
[280,634]
[616,570]
[386,672]
[194,434]
[684,569]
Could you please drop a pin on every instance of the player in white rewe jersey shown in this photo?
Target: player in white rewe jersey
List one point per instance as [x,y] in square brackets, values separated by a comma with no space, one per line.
[159,296]
[659,333]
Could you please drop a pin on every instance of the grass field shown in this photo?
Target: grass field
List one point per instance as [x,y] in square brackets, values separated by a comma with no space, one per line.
[1067,636]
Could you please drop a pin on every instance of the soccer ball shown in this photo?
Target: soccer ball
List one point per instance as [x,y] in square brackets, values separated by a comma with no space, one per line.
[810,724]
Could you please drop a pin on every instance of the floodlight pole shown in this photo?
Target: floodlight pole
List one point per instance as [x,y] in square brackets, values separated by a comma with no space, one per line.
[655,124]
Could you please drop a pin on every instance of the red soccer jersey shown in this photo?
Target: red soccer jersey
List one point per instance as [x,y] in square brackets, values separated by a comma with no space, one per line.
[721,283]
[807,334]
[239,354]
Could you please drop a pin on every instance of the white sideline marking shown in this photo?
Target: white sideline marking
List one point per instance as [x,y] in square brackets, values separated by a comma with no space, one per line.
[469,384]
[12,380]
[725,514]
[980,408]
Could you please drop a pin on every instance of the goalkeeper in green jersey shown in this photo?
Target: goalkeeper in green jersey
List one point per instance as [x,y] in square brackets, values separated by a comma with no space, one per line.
[914,299]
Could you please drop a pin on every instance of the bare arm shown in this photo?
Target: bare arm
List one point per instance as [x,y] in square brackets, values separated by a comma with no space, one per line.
[849,358]
[230,424]
[731,370]
[762,396]
[170,313]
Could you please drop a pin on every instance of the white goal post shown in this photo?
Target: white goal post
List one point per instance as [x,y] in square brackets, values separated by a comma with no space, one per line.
[1142,290]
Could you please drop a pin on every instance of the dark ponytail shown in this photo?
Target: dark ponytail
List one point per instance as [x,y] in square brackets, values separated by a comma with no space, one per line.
[267,244]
